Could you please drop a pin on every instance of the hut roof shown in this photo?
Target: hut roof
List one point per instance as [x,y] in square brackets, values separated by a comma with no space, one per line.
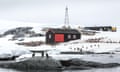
[73,31]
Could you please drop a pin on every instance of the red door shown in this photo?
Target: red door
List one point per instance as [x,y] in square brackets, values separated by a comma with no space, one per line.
[59,37]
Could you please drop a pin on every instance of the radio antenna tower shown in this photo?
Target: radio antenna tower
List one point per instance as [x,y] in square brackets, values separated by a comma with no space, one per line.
[66,21]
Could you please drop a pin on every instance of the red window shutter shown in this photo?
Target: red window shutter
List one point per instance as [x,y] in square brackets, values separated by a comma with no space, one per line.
[59,37]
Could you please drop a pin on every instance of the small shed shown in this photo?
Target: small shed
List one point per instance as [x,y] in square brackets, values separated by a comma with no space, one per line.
[102,28]
[61,35]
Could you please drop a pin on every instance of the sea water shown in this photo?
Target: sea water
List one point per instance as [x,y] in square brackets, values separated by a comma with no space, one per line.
[115,69]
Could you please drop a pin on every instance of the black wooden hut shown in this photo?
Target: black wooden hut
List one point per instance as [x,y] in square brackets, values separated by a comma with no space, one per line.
[61,35]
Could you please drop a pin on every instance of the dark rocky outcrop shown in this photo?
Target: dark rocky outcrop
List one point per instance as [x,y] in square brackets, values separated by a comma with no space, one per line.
[49,63]
[21,32]
[18,30]
[86,64]
[34,63]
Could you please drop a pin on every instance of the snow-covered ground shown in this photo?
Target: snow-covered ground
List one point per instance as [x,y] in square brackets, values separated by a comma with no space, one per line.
[10,48]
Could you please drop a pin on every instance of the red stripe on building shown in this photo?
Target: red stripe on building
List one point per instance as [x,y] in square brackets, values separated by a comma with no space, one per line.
[59,37]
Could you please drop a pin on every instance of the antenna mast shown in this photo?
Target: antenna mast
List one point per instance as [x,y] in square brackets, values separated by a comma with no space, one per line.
[66,22]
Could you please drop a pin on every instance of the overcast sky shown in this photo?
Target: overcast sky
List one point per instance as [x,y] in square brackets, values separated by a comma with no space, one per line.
[84,12]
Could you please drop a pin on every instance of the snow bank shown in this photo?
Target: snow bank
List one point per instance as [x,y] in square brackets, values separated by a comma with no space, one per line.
[9,49]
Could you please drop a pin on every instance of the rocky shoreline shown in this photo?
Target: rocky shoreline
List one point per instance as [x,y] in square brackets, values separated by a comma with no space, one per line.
[52,64]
